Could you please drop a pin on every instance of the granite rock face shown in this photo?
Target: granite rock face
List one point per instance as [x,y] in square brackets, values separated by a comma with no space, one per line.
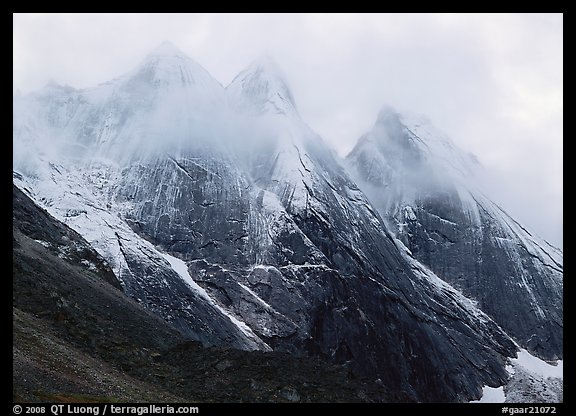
[222,212]
[426,190]
[76,336]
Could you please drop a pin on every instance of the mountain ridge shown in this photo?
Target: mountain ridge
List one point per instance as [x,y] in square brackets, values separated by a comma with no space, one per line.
[281,240]
[450,225]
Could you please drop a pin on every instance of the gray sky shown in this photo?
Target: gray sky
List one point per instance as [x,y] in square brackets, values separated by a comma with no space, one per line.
[493,83]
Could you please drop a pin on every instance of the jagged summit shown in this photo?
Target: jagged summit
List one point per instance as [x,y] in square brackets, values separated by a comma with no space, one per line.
[143,113]
[166,48]
[242,230]
[267,65]
[168,66]
[430,193]
[410,139]
[387,112]
[262,87]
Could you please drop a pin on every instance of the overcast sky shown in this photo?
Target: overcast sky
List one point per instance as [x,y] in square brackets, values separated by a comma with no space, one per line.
[493,83]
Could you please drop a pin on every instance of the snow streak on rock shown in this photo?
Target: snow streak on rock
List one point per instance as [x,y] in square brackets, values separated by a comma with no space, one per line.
[224,213]
[430,194]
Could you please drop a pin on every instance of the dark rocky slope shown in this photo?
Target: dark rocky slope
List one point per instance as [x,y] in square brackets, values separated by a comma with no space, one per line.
[283,250]
[76,337]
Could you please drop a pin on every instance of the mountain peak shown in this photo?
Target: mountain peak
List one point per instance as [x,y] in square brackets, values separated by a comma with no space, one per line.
[262,86]
[266,64]
[387,112]
[166,48]
[166,65]
[403,138]
[415,128]
[432,195]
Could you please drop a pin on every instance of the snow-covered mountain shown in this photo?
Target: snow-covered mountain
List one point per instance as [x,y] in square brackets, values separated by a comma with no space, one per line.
[429,193]
[223,212]
[262,88]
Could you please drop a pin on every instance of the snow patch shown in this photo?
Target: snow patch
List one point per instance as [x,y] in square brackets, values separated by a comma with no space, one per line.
[263,267]
[44,243]
[533,380]
[255,296]
[409,213]
[180,267]
[539,367]
[91,266]
[491,395]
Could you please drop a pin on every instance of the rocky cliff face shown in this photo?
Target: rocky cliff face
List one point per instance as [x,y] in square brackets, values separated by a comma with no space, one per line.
[221,211]
[77,337]
[427,191]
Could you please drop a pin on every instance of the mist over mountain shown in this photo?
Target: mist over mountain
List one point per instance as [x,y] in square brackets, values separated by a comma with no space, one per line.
[429,193]
[220,211]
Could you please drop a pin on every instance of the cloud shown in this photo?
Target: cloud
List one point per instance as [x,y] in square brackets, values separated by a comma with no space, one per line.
[493,82]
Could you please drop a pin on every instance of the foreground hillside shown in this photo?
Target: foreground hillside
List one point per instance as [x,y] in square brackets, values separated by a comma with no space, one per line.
[77,337]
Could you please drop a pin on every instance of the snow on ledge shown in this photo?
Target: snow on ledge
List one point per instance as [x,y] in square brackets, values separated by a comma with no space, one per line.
[491,395]
[537,366]
[529,363]
[180,267]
